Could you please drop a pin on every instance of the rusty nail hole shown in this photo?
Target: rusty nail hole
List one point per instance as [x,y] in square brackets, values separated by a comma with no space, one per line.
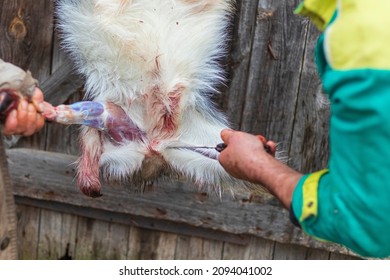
[4,243]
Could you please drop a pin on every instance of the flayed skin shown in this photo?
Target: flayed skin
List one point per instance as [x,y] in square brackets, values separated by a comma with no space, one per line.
[158,61]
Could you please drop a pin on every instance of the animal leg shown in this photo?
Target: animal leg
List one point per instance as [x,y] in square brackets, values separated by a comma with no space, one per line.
[88,164]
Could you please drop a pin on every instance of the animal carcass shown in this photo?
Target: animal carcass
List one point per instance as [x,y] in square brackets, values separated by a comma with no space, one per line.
[152,65]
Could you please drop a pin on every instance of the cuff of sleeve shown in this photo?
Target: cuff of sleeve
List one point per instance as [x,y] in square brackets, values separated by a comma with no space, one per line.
[305,197]
[293,218]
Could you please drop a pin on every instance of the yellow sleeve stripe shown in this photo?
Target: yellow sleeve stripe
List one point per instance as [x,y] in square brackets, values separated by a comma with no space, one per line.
[310,195]
[319,11]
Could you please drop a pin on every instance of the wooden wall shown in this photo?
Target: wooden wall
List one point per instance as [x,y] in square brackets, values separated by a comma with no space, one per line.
[273,90]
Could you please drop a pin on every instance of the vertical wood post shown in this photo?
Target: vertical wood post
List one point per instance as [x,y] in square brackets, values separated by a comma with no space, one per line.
[8,233]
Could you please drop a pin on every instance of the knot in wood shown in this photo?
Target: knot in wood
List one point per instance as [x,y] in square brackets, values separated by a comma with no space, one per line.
[4,243]
[263,14]
[17,28]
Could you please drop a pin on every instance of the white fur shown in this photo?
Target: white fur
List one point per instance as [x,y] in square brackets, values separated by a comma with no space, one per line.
[126,49]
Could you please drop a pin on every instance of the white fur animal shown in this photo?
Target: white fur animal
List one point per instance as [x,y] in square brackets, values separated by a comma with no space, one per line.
[158,61]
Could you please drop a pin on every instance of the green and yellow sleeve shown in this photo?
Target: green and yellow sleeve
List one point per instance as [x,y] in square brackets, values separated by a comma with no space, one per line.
[349,202]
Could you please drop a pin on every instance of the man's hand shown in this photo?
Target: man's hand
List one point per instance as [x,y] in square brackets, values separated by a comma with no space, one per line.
[244,152]
[245,158]
[25,120]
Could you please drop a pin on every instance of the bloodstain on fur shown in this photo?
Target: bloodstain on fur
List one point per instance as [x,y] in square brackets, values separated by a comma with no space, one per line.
[165,111]
[88,165]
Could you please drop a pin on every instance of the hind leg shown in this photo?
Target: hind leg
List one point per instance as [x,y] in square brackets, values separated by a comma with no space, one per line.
[88,164]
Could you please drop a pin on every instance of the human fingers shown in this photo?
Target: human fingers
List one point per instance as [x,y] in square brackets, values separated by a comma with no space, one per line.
[271,147]
[38,100]
[262,138]
[37,96]
[22,113]
[31,121]
[225,135]
[11,123]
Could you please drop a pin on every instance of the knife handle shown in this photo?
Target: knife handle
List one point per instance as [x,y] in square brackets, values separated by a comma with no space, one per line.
[222,146]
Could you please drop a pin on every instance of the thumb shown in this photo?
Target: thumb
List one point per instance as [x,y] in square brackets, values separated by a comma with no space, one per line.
[225,135]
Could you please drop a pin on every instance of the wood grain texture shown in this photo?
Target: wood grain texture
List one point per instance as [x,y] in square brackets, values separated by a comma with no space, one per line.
[46,179]
[309,149]
[101,240]
[256,249]
[57,231]
[289,252]
[27,33]
[239,60]
[8,223]
[134,243]
[28,232]
[26,41]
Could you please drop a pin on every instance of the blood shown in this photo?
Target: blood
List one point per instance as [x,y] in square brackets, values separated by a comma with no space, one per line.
[170,118]
[88,166]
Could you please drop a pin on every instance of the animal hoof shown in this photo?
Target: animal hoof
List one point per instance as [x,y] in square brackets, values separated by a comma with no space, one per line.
[91,192]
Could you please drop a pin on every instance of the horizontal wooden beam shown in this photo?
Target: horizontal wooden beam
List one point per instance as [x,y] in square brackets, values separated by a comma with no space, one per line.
[46,180]
[61,84]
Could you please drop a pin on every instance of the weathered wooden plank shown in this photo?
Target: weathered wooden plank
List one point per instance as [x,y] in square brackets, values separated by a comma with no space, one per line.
[64,81]
[91,237]
[62,87]
[256,249]
[61,84]
[134,243]
[309,144]
[148,242]
[240,59]
[26,35]
[274,72]
[49,243]
[195,248]
[314,254]
[336,256]
[8,222]
[182,247]
[117,242]
[233,252]
[46,179]
[166,246]
[259,249]
[28,232]
[100,240]
[68,236]
[57,235]
[26,40]
[289,252]
[212,249]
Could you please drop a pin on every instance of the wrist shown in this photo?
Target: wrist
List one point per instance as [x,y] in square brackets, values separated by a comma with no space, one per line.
[278,178]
